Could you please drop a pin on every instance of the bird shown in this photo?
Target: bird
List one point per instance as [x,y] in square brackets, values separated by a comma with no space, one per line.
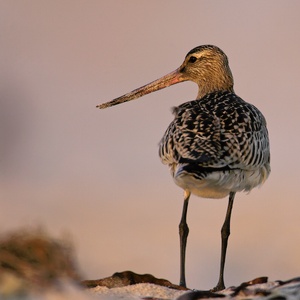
[217,145]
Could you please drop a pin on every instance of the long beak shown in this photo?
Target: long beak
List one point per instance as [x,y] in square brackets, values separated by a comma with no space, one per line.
[161,83]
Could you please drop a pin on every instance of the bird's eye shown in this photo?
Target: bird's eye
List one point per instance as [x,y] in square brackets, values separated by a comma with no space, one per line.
[192,59]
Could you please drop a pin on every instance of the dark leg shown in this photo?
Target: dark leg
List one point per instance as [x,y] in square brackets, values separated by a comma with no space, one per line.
[183,234]
[225,232]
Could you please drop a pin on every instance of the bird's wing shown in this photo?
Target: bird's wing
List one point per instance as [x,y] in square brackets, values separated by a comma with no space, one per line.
[193,137]
[230,134]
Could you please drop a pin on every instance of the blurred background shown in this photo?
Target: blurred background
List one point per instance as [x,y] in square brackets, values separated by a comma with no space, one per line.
[96,175]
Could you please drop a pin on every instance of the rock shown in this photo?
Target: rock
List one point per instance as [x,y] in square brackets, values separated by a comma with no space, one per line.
[129,278]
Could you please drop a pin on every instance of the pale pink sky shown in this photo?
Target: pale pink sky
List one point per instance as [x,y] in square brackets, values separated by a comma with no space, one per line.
[96,174]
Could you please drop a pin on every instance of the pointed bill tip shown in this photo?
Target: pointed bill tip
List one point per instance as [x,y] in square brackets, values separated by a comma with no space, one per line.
[101,106]
[124,98]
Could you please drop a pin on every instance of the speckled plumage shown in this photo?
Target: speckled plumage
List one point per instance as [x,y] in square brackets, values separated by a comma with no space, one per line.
[216,145]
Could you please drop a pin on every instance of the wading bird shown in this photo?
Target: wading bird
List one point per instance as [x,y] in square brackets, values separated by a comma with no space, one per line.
[216,145]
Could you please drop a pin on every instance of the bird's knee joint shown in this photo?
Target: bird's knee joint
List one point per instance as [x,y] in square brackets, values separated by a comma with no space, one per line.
[183,229]
[225,232]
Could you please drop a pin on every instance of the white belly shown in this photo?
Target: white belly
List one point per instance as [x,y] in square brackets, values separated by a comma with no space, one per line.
[220,183]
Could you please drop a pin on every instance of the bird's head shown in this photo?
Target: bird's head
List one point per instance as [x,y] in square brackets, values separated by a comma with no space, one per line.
[208,67]
[205,65]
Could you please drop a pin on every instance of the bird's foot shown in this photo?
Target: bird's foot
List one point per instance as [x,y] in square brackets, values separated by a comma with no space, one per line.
[218,287]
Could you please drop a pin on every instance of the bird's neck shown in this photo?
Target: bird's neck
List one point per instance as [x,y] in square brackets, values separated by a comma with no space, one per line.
[211,83]
[203,92]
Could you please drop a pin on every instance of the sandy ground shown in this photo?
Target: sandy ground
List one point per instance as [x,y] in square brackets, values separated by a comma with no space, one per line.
[137,291]
[275,290]
[269,290]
